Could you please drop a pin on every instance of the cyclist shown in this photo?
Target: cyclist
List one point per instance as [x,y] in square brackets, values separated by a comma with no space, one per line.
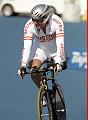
[43,38]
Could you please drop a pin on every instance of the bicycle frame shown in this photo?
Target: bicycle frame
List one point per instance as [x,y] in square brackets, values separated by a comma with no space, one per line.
[49,69]
[51,64]
[44,70]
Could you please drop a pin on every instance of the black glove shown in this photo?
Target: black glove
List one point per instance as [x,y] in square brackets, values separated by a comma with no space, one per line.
[22,72]
[57,68]
[64,65]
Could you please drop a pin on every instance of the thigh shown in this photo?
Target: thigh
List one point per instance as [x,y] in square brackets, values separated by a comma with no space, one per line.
[35,62]
[37,58]
[39,54]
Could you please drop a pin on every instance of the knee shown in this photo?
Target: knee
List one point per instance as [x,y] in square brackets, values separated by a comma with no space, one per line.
[34,72]
[34,75]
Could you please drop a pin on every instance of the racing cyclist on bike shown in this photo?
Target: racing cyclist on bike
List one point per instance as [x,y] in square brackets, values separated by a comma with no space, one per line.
[43,38]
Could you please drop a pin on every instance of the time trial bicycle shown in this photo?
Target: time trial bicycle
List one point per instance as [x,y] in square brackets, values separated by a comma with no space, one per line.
[50,93]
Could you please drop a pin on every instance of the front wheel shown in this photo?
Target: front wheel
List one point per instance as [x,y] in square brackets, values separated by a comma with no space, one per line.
[44,112]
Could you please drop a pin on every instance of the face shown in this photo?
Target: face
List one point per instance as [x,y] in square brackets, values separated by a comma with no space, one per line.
[38,23]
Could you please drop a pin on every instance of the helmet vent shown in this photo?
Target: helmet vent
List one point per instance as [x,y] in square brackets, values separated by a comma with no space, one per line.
[36,13]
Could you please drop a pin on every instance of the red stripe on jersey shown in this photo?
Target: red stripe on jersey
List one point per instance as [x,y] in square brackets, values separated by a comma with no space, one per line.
[60,34]
[27,38]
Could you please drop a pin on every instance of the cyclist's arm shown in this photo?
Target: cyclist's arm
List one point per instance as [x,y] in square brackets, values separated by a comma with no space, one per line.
[27,46]
[60,42]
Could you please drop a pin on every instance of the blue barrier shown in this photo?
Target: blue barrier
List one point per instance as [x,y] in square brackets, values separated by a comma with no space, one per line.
[17,98]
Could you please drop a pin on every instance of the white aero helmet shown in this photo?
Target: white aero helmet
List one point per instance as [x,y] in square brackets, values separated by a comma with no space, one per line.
[42,12]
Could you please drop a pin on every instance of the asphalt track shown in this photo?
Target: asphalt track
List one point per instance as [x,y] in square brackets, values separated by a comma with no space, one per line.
[18,97]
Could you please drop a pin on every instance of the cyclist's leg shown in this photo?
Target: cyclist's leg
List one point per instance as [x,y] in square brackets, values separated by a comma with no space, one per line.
[37,60]
[36,77]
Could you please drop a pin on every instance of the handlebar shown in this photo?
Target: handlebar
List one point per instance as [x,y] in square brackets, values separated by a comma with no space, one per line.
[43,70]
[40,70]
[50,65]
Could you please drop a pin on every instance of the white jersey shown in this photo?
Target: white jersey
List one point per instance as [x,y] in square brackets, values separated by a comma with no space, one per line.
[50,42]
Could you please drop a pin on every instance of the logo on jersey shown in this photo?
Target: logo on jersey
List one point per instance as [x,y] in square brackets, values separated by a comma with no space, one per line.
[26,27]
[46,37]
[59,24]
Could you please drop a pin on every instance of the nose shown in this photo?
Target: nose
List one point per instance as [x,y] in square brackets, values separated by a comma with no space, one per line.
[38,23]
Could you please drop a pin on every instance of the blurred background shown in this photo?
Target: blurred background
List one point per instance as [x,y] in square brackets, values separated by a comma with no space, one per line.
[70,10]
[18,98]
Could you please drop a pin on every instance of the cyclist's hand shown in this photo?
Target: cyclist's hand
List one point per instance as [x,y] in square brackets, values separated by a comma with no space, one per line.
[58,68]
[21,72]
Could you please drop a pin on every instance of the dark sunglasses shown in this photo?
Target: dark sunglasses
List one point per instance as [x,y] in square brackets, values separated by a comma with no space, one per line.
[35,20]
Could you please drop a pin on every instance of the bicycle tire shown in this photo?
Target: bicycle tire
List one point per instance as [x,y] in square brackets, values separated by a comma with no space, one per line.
[40,107]
[59,104]
[60,93]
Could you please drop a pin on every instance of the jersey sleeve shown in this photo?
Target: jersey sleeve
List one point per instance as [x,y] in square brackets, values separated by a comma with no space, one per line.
[27,44]
[60,41]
